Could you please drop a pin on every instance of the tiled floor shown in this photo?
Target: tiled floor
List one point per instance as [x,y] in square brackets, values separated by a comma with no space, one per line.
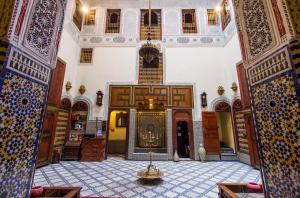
[116,177]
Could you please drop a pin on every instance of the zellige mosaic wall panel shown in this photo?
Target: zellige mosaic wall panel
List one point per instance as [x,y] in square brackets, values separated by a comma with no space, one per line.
[276,111]
[21,109]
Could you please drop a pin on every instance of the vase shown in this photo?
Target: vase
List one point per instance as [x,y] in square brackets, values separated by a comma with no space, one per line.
[176,157]
[202,152]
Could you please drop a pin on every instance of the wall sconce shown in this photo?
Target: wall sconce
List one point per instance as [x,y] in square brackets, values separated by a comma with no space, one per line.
[221,90]
[68,86]
[99,98]
[204,100]
[234,87]
[82,89]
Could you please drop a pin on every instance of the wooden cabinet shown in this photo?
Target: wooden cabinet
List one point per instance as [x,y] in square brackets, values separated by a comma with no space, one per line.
[71,150]
[92,149]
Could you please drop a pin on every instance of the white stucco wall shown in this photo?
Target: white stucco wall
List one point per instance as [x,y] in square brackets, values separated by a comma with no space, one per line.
[204,67]
[69,52]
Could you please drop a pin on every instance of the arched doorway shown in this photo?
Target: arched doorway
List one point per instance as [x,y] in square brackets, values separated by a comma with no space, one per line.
[117,133]
[183,145]
[225,131]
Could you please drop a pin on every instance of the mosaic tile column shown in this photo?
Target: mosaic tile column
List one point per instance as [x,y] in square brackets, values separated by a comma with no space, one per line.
[268,32]
[29,39]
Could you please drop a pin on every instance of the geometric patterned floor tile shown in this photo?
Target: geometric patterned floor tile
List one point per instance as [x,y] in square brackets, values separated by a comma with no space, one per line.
[116,177]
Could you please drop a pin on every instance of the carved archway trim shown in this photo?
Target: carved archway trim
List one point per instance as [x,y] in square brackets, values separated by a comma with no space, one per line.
[223,107]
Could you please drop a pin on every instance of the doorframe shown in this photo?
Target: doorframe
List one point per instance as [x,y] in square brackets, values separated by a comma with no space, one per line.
[110,110]
[228,109]
[183,115]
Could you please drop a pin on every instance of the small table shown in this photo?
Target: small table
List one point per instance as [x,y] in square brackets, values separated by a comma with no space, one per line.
[238,190]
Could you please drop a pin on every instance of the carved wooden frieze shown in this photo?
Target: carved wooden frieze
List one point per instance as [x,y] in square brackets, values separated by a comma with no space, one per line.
[171,96]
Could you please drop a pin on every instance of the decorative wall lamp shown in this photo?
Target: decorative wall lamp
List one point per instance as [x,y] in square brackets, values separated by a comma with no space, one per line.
[82,89]
[68,86]
[204,100]
[99,98]
[234,87]
[221,90]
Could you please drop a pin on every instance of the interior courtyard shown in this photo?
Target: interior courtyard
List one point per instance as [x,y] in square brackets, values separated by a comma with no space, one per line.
[149,98]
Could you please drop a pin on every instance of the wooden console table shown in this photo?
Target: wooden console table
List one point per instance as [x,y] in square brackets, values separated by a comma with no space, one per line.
[71,150]
[92,149]
[237,190]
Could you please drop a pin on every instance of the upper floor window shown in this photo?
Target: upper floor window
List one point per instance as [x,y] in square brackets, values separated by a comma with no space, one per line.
[154,20]
[156,32]
[225,14]
[78,15]
[189,24]
[86,55]
[90,17]
[113,21]
[212,17]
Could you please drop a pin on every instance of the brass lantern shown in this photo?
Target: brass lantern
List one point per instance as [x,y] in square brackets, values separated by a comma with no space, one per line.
[99,98]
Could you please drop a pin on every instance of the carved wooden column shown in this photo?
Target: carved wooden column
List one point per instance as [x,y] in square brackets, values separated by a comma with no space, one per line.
[29,39]
[269,36]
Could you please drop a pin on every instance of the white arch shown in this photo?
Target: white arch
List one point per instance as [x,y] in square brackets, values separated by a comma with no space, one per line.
[89,103]
[217,100]
[68,97]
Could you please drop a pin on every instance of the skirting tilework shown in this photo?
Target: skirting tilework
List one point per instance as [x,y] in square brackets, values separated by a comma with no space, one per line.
[21,109]
[277,110]
[118,178]
[198,137]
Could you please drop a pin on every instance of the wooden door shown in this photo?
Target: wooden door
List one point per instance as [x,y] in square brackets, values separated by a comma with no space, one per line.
[252,142]
[50,118]
[56,84]
[210,133]
[183,115]
[46,140]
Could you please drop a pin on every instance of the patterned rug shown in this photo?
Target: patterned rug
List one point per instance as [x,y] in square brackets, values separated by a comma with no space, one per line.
[116,177]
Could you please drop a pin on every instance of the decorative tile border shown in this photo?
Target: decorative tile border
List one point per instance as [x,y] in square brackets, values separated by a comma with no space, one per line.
[20,62]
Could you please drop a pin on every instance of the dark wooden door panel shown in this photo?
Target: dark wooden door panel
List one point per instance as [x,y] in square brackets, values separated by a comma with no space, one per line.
[242,77]
[210,133]
[252,142]
[46,141]
[56,84]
